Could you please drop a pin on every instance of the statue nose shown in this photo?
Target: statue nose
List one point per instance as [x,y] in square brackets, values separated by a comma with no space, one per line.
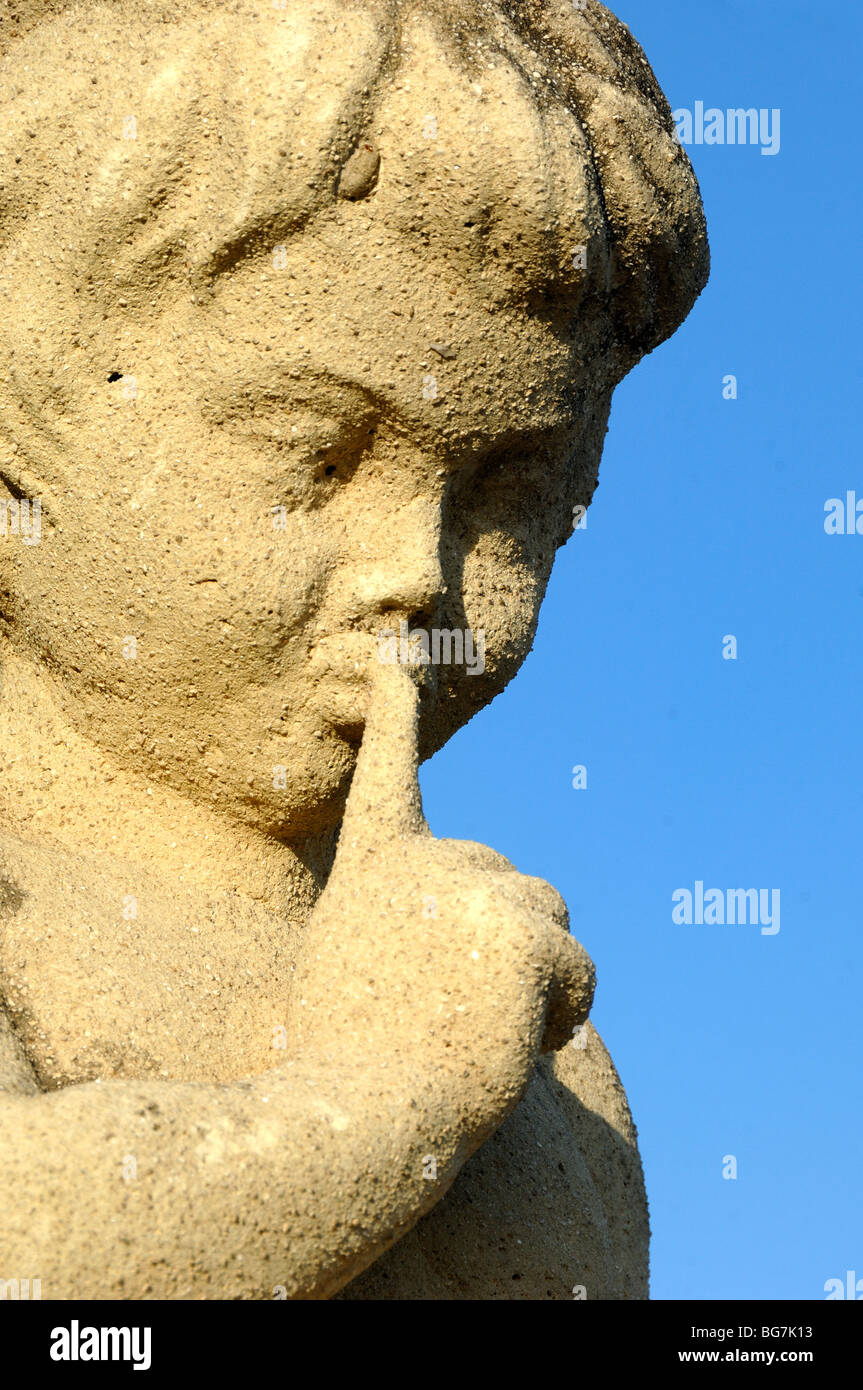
[400,574]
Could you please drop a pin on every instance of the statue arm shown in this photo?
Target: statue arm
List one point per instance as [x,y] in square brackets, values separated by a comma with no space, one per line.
[409,1044]
[296,1180]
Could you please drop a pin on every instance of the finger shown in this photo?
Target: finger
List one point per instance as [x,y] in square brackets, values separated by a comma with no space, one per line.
[384,802]
[478,856]
[548,902]
[570,995]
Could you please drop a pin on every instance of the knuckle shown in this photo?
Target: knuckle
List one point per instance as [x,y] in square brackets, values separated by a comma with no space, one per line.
[545,900]
[477,856]
[570,998]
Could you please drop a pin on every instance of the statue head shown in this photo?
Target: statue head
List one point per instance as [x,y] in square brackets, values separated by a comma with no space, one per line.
[312,312]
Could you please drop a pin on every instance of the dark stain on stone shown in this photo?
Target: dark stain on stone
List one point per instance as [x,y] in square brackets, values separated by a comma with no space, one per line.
[11,898]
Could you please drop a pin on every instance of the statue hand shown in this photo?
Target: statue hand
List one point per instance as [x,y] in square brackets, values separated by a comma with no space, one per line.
[435,951]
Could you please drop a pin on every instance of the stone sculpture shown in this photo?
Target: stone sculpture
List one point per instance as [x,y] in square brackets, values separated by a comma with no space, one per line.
[311,316]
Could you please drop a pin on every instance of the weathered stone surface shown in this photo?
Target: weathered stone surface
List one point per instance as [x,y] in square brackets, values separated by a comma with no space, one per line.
[311,317]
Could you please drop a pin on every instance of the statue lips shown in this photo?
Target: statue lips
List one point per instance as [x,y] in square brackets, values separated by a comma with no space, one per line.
[341,667]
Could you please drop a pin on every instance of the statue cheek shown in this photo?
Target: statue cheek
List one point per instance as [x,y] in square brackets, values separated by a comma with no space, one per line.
[502,594]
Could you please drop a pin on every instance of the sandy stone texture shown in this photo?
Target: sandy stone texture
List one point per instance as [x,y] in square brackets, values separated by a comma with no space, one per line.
[310,318]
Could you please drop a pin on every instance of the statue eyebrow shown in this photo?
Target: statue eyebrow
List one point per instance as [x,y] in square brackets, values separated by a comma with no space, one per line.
[470,446]
[333,390]
[310,388]
[326,391]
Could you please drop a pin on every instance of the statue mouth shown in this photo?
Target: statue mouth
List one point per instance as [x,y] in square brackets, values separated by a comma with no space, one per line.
[341,669]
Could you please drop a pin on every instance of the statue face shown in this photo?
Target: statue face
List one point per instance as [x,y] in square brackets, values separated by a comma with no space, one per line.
[228,543]
[244,481]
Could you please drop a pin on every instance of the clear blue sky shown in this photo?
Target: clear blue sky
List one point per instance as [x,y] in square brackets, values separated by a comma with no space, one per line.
[709,521]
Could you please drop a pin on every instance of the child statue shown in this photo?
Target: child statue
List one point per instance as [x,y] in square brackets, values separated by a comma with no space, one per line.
[311,316]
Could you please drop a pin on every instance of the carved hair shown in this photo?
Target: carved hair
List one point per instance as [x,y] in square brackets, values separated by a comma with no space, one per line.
[262,161]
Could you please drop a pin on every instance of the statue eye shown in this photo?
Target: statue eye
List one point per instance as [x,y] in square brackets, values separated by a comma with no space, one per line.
[332,468]
[336,461]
